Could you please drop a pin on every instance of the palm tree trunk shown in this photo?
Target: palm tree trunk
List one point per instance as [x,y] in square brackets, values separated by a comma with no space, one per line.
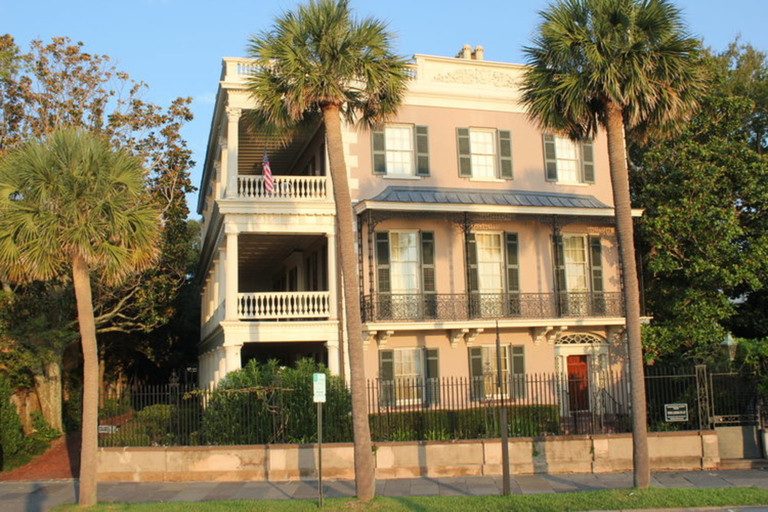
[617,154]
[364,466]
[88,452]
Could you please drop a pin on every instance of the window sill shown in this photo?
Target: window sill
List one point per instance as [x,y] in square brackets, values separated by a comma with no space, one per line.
[401,177]
[569,184]
[489,180]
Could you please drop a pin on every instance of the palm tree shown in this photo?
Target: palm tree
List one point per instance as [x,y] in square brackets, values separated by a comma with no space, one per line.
[319,61]
[627,66]
[72,203]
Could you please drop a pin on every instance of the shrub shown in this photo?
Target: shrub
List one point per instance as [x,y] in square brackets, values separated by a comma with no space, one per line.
[11,434]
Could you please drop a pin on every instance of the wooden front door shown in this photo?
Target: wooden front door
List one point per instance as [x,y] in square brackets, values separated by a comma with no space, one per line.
[578,383]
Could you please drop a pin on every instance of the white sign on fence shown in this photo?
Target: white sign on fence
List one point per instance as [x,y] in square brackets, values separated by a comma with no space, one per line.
[318,387]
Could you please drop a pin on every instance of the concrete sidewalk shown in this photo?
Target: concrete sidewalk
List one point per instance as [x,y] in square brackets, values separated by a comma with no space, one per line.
[39,496]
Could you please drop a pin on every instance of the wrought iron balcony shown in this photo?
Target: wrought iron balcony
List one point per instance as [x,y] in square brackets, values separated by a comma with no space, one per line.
[425,307]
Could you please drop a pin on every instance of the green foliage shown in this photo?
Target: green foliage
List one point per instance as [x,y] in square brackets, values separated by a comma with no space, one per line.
[705,228]
[43,430]
[11,435]
[480,423]
[266,403]
[115,406]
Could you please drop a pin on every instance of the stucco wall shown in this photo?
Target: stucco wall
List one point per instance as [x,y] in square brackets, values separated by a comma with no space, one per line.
[565,454]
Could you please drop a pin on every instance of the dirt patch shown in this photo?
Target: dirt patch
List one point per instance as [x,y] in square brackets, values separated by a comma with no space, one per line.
[60,461]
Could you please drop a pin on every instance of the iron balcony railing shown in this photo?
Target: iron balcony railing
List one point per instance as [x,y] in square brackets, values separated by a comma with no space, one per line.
[394,307]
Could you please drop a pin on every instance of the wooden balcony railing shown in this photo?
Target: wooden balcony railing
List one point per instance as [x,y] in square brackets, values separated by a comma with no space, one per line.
[390,307]
[301,188]
[283,305]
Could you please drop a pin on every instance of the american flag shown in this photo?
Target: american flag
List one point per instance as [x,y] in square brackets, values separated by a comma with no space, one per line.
[269,183]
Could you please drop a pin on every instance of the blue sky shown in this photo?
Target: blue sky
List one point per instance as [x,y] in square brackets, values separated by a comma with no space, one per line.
[176,46]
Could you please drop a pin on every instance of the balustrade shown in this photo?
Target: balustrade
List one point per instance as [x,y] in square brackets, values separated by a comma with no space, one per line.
[283,305]
[303,188]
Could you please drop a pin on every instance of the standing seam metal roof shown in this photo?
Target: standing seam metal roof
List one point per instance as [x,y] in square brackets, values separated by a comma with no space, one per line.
[436,195]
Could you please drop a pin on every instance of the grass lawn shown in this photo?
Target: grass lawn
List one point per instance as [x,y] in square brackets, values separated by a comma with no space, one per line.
[572,501]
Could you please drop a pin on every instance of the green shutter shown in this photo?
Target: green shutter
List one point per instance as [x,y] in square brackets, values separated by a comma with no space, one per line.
[517,371]
[428,285]
[558,262]
[550,157]
[596,270]
[422,151]
[476,376]
[588,161]
[513,276]
[379,152]
[465,155]
[505,154]
[513,266]
[432,376]
[473,284]
[382,261]
[386,377]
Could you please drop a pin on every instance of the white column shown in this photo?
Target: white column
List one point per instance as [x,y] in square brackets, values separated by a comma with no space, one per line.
[221,364]
[232,358]
[221,170]
[333,356]
[230,281]
[233,129]
[333,295]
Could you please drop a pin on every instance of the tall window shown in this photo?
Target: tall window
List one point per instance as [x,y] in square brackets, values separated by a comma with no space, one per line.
[567,161]
[408,375]
[493,275]
[484,153]
[401,150]
[484,373]
[575,252]
[579,275]
[405,269]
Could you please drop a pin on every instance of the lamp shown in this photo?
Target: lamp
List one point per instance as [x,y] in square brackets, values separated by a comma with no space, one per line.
[730,344]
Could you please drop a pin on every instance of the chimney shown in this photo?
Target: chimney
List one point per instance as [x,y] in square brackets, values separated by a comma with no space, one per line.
[477,53]
[465,53]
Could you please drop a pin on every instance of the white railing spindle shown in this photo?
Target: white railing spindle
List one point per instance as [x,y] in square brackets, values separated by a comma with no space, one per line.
[283,305]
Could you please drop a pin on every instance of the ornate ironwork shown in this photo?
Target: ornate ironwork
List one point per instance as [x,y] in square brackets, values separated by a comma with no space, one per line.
[421,307]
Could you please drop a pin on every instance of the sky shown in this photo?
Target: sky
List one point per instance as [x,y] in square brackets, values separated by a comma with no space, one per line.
[176,46]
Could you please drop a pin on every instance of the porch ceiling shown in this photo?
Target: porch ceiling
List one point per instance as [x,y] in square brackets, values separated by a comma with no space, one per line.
[282,157]
[267,253]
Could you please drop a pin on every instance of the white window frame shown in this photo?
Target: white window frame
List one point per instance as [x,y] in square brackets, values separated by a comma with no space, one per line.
[493,155]
[391,151]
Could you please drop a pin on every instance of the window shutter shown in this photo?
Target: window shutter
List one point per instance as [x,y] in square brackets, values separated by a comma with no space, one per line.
[422,151]
[517,371]
[472,262]
[476,373]
[513,276]
[382,261]
[432,376]
[596,269]
[379,152]
[386,377]
[588,161]
[428,273]
[383,301]
[550,157]
[465,155]
[505,154]
[513,267]
[558,262]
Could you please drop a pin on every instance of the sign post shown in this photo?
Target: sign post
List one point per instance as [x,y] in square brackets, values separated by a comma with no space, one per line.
[318,392]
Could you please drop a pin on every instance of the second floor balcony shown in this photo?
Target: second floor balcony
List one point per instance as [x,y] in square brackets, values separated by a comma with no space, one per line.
[435,307]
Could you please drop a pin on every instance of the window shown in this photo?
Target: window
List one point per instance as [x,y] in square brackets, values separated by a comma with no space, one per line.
[567,161]
[579,275]
[408,375]
[484,373]
[405,270]
[484,153]
[401,150]
[494,275]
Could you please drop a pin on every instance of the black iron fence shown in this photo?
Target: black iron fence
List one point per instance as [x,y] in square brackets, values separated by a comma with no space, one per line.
[462,306]
[424,409]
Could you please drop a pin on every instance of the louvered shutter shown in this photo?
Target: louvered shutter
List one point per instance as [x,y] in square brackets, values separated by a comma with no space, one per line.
[422,151]
[428,284]
[513,275]
[588,161]
[379,152]
[505,154]
[558,255]
[384,299]
[477,383]
[465,155]
[596,270]
[432,377]
[386,377]
[550,157]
